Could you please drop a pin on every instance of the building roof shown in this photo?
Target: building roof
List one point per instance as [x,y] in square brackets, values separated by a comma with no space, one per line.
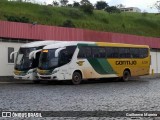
[17,30]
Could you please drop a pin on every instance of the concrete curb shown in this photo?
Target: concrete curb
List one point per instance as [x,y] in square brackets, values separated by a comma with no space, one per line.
[9,79]
[6,78]
[154,76]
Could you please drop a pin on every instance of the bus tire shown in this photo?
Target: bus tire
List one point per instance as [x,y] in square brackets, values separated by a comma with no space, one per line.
[76,78]
[126,75]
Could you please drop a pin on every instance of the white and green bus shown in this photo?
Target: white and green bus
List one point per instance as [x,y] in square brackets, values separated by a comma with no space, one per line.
[27,59]
[78,61]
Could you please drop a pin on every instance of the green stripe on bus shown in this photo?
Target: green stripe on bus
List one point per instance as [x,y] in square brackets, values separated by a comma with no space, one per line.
[101,66]
[106,66]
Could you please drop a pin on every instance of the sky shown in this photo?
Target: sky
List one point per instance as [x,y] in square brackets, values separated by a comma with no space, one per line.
[144,5]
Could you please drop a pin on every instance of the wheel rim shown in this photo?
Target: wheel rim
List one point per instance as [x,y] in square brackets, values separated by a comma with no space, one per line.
[126,76]
[76,78]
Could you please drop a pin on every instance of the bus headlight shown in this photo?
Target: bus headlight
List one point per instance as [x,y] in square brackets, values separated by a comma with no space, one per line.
[55,71]
[30,71]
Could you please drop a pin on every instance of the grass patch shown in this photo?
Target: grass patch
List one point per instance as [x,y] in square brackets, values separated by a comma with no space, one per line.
[130,23]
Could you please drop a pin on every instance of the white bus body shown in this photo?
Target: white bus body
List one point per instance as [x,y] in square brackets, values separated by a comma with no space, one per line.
[92,60]
[26,63]
[65,70]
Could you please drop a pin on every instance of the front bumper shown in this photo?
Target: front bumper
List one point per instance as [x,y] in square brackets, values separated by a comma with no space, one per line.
[25,77]
[47,77]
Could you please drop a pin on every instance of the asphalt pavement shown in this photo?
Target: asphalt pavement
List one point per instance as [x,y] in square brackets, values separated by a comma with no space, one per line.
[96,95]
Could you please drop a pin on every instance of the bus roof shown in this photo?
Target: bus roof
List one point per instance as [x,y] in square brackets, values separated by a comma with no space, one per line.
[66,43]
[71,43]
[120,44]
[39,43]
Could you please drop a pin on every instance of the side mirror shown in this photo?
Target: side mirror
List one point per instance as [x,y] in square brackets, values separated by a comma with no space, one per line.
[12,53]
[33,54]
[58,50]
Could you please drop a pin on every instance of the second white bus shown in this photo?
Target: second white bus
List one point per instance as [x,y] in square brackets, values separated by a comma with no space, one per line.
[25,64]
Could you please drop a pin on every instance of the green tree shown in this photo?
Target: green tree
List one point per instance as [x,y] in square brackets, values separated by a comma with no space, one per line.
[157,6]
[69,5]
[55,3]
[87,8]
[112,9]
[19,0]
[76,4]
[120,6]
[63,2]
[85,2]
[101,5]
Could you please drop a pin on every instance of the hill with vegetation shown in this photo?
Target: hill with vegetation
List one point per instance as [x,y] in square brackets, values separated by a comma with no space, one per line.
[144,24]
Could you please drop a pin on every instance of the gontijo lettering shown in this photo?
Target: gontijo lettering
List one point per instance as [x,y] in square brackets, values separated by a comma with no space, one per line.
[126,62]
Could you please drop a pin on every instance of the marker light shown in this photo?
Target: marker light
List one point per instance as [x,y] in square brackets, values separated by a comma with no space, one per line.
[45,51]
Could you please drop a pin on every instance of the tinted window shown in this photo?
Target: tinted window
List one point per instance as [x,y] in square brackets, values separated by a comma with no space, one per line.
[124,53]
[134,52]
[84,52]
[66,55]
[102,52]
[109,52]
[112,52]
[143,52]
[98,52]
[115,52]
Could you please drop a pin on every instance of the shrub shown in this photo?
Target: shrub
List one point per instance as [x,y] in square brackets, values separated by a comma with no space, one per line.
[123,26]
[112,9]
[144,14]
[76,4]
[105,20]
[88,8]
[46,11]
[68,23]
[101,5]
[17,19]
[75,14]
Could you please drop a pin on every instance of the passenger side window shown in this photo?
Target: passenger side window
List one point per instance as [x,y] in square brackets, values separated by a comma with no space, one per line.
[143,52]
[84,52]
[112,52]
[109,52]
[124,53]
[102,52]
[98,52]
[134,52]
[66,55]
[95,52]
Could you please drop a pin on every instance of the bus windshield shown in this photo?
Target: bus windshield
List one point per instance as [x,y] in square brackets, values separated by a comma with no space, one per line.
[48,60]
[22,60]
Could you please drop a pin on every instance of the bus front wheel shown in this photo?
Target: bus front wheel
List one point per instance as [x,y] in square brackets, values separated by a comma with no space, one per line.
[126,75]
[76,78]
